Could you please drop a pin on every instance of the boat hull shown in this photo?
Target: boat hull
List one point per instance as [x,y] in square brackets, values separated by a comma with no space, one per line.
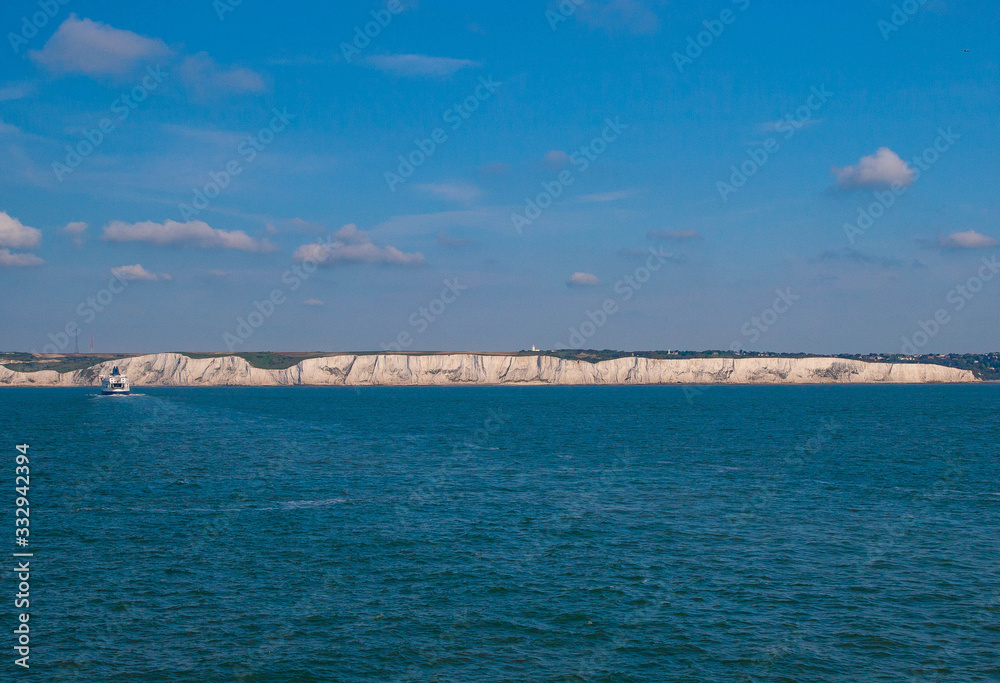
[115,392]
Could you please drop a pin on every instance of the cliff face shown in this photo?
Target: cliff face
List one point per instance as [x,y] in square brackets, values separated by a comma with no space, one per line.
[469,368]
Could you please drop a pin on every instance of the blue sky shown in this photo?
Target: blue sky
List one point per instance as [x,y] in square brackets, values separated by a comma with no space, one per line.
[609,113]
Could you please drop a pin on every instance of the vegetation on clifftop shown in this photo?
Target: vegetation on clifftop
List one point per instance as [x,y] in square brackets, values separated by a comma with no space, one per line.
[34,362]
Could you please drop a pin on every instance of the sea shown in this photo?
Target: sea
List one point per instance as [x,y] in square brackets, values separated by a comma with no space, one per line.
[723,533]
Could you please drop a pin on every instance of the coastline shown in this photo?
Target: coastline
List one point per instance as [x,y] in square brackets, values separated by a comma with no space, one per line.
[492,369]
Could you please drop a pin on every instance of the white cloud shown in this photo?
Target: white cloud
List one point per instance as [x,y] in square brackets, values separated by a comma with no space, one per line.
[351,235]
[350,245]
[96,49]
[675,235]
[420,65]
[76,231]
[15,91]
[557,158]
[883,168]
[465,194]
[137,273]
[194,233]
[631,16]
[8,128]
[970,239]
[205,78]
[601,197]
[583,280]
[9,260]
[312,302]
[15,234]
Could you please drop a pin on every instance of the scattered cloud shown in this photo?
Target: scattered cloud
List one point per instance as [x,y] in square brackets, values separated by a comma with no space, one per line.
[76,231]
[17,235]
[496,168]
[970,239]
[8,128]
[312,302]
[556,159]
[420,65]
[137,273]
[631,16]
[9,260]
[884,168]
[583,280]
[444,239]
[847,255]
[350,234]
[350,245]
[96,49]
[673,235]
[15,91]
[601,197]
[452,192]
[205,78]
[193,233]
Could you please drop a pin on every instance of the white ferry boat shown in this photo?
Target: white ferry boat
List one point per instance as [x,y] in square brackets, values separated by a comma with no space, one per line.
[115,384]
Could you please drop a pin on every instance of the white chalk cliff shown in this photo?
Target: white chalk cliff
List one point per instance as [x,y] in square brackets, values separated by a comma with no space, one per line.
[172,369]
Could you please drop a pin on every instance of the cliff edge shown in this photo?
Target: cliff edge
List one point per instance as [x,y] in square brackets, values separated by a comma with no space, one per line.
[388,369]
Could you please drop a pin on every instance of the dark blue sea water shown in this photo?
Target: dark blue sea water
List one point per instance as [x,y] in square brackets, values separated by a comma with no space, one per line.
[509,534]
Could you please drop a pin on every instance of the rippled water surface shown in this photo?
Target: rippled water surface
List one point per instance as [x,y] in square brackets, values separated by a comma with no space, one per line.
[511,534]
